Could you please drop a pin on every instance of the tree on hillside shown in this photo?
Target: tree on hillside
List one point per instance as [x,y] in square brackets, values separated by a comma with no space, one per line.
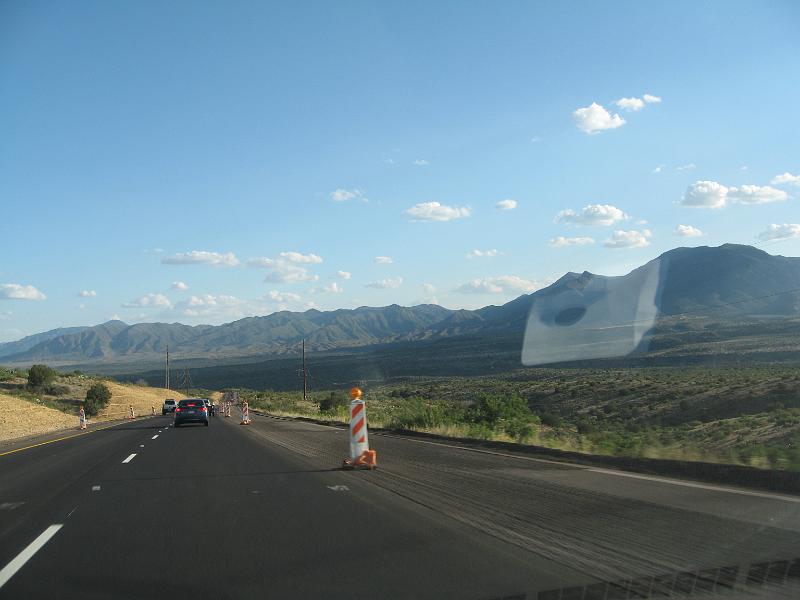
[39,375]
[98,396]
[510,414]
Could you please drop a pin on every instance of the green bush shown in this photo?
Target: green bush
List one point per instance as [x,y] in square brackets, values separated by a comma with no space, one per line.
[98,396]
[39,375]
[55,389]
[333,401]
[418,413]
[550,419]
[510,414]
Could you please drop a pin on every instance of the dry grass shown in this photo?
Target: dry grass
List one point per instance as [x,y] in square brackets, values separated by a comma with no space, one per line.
[143,399]
[21,417]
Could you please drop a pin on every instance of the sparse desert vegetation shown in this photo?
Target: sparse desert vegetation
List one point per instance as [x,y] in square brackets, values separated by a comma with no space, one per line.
[748,416]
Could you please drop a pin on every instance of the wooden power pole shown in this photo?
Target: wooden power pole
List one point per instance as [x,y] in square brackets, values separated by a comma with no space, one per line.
[305,374]
[166,375]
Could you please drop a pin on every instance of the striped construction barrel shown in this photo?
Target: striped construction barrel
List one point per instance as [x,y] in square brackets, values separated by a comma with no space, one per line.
[358,429]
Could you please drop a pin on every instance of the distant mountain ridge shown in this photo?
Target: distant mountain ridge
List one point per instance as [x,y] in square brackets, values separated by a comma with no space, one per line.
[728,281]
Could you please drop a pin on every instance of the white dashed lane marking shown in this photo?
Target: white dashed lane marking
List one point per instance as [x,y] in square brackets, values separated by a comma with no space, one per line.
[17,563]
[129,459]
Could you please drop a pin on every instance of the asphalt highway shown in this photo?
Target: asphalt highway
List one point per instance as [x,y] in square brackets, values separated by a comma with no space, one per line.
[143,510]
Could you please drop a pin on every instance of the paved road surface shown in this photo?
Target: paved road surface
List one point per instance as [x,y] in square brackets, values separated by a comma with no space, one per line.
[263,512]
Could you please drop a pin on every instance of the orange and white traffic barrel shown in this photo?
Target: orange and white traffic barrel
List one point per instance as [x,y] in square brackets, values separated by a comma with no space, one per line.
[81,419]
[361,456]
[245,414]
[132,414]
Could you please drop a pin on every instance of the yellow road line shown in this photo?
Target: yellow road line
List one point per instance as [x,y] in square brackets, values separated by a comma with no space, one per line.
[68,437]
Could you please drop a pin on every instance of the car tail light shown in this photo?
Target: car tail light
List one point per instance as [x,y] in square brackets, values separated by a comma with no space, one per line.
[204,409]
[177,410]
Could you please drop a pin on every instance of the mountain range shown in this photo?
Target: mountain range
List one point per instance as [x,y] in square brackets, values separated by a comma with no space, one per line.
[726,282]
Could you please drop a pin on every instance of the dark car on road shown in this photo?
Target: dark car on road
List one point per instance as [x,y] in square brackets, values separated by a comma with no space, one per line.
[193,410]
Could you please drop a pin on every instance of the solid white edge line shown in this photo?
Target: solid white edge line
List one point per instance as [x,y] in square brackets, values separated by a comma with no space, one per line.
[17,563]
[665,480]
[129,459]
[681,482]
[702,486]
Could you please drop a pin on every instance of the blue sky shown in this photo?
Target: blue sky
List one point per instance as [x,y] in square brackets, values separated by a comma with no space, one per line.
[262,155]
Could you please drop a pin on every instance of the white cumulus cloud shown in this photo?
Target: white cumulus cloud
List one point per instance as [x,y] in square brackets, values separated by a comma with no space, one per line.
[705,194]
[180,286]
[213,307]
[636,104]
[594,119]
[344,274]
[296,257]
[283,270]
[561,241]
[483,253]
[710,194]
[592,215]
[383,260]
[150,301]
[342,195]
[16,291]
[756,194]
[504,284]
[429,293]
[202,257]
[331,288]
[434,211]
[785,178]
[87,294]
[507,204]
[780,232]
[633,104]
[687,231]
[629,239]
[386,284]
[282,297]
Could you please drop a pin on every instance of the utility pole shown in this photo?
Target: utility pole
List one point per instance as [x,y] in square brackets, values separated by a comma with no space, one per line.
[186,377]
[166,376]
[305,373]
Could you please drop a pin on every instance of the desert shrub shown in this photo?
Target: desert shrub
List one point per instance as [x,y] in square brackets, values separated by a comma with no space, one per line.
[55,389]
[98,396]
[7,374]
[333,401]
[551,419]
[418,413]
[510,414]
[40,375]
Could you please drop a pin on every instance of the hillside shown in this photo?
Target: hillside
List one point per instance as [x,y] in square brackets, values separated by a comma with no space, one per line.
[725,283]
[54,407]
